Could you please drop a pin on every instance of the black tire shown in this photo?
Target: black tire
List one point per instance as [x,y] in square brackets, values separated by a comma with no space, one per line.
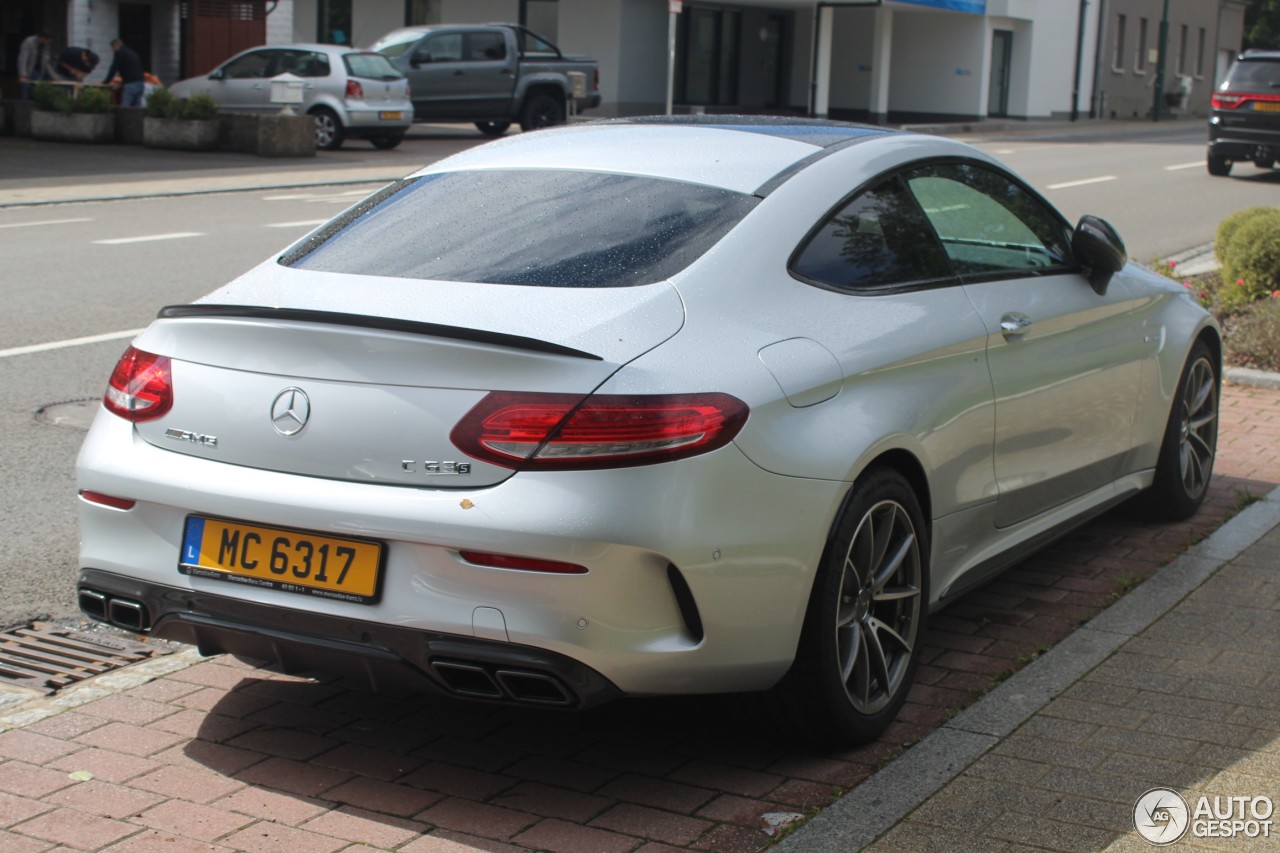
[386,143]
[329,132]
[493,128]
[858,652]
[541,109]
[1185,465]
[1219,166]
[1265,164]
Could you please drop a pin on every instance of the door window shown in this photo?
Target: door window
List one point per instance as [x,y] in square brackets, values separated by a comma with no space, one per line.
[441,48]
[990,225]
[880,239]
[486,47]
[249,66]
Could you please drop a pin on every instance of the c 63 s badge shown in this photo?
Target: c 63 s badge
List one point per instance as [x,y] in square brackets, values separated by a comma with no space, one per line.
[433,468]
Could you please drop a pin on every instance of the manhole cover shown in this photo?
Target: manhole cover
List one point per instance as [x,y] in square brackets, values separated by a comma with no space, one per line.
[48,658]
[76,414]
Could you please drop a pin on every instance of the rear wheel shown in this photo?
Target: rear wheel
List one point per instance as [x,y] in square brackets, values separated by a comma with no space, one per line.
[541,110]
[861,639]
[1190,441]
[493,128]
[1219,166]
[329,131]
[386,143]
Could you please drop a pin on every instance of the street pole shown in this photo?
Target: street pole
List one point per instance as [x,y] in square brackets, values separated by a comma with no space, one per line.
[1075,85]
[1164,42]
[674,7]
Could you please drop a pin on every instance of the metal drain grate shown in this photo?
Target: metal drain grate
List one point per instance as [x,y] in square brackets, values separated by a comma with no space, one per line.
[48,658]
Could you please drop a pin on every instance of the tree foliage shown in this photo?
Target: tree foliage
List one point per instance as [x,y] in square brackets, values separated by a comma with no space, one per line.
[1262,25]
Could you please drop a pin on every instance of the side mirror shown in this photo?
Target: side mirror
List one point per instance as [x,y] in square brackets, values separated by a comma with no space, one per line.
[216,74]
[1097,245]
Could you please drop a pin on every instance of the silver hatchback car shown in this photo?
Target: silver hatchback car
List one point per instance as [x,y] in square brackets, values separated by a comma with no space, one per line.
[642,407]
[349,92]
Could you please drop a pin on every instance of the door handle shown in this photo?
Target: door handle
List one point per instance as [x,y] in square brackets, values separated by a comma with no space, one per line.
[1014,325]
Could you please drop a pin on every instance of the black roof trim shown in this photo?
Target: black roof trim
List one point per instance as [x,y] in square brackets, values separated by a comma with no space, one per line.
[365,321]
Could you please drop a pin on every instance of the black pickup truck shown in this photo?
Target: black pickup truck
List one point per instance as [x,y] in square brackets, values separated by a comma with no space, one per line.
[490,74]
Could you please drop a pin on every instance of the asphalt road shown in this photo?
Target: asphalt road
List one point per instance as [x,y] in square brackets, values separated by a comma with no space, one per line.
[102,269]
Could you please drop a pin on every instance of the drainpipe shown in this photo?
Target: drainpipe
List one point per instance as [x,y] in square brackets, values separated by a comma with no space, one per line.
[1075,86]
[1099,47]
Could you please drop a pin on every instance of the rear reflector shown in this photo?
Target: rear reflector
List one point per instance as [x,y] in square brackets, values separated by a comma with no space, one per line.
[557,432]
[141,386]
[107,500]
[528,564]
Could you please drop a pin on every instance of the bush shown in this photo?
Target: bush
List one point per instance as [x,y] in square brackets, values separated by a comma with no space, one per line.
[1250,258]
[199,108]
[92,99]
[1229,225]
[162,104]
[51,98]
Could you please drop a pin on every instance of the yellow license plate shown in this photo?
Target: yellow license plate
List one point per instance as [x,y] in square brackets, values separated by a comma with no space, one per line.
[391,116]
[1266,106]
[289,560]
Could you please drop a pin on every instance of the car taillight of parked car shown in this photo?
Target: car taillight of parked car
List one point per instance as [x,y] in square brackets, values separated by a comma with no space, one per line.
[141,386]
[558,432]
[355,90]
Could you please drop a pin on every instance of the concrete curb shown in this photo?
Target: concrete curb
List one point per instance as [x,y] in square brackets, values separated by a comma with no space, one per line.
[872,809]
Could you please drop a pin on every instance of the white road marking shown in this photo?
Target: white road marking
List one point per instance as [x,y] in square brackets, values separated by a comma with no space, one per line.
[45,222]
[308,223]
[176,235]
[1199,164]
[71,342]
[1005,151]
[1066,184]
[322,197]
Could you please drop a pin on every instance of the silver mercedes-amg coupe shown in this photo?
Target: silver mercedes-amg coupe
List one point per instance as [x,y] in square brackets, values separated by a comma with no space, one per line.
[641,407]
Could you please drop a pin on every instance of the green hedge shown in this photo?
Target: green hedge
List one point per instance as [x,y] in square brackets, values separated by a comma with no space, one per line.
[1248,248]
[163,104]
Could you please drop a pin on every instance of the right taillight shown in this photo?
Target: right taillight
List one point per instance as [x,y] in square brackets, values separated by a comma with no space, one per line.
[558,432]
[141,386]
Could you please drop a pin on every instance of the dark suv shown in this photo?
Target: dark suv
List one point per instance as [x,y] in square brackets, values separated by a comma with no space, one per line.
[1244,123]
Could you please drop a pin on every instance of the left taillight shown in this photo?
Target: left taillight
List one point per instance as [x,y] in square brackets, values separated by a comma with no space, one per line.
[141,386]
[355,90]
[558,432]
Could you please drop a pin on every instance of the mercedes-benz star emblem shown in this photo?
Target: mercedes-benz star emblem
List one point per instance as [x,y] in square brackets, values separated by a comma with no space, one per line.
[290,411]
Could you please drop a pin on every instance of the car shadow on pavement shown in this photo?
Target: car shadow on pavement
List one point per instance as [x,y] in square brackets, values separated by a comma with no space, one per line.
[687,772]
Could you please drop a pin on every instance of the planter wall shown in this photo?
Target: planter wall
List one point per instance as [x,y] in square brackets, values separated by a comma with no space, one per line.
[267,135]
[17,117]
[73,127]
[129,125]
[180,134]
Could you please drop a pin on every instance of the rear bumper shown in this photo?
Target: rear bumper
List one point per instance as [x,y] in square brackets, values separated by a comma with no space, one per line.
[1242,143]
[363,122]
[382,656]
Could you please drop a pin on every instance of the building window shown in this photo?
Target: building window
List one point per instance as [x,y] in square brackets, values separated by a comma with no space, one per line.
[1117,62]
[335,22]
[421,12]
[1140,61]
[707,56]
[1182,51]
[1200,54]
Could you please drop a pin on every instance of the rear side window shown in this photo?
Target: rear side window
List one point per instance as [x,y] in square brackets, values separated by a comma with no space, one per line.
[370,66]
[1258,75]
[544,228]
[880,239]
[486,47]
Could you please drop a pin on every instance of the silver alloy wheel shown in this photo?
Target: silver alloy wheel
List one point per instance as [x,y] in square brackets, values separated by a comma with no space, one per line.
[1198,428]
[878,616]
[326,128]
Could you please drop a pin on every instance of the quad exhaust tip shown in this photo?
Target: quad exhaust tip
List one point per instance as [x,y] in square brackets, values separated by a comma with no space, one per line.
[122,612]
[519,685]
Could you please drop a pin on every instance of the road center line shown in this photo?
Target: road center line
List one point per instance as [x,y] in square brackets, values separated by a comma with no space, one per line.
[1083,182]
[1199,164]
[118,241]
[45,222]
[308,223]
[70,342]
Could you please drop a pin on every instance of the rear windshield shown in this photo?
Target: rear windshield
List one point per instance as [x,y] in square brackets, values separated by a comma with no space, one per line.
[1256,74]
[371,66]
[542,228]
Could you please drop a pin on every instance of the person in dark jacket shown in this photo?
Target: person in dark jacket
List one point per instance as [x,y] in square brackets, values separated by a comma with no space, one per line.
[127,65]
[76,63]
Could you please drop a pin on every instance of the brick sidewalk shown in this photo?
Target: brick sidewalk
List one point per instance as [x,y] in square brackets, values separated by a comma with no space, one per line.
[220,756]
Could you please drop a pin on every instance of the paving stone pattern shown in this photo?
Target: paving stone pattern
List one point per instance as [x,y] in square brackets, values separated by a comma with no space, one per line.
[222,756]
